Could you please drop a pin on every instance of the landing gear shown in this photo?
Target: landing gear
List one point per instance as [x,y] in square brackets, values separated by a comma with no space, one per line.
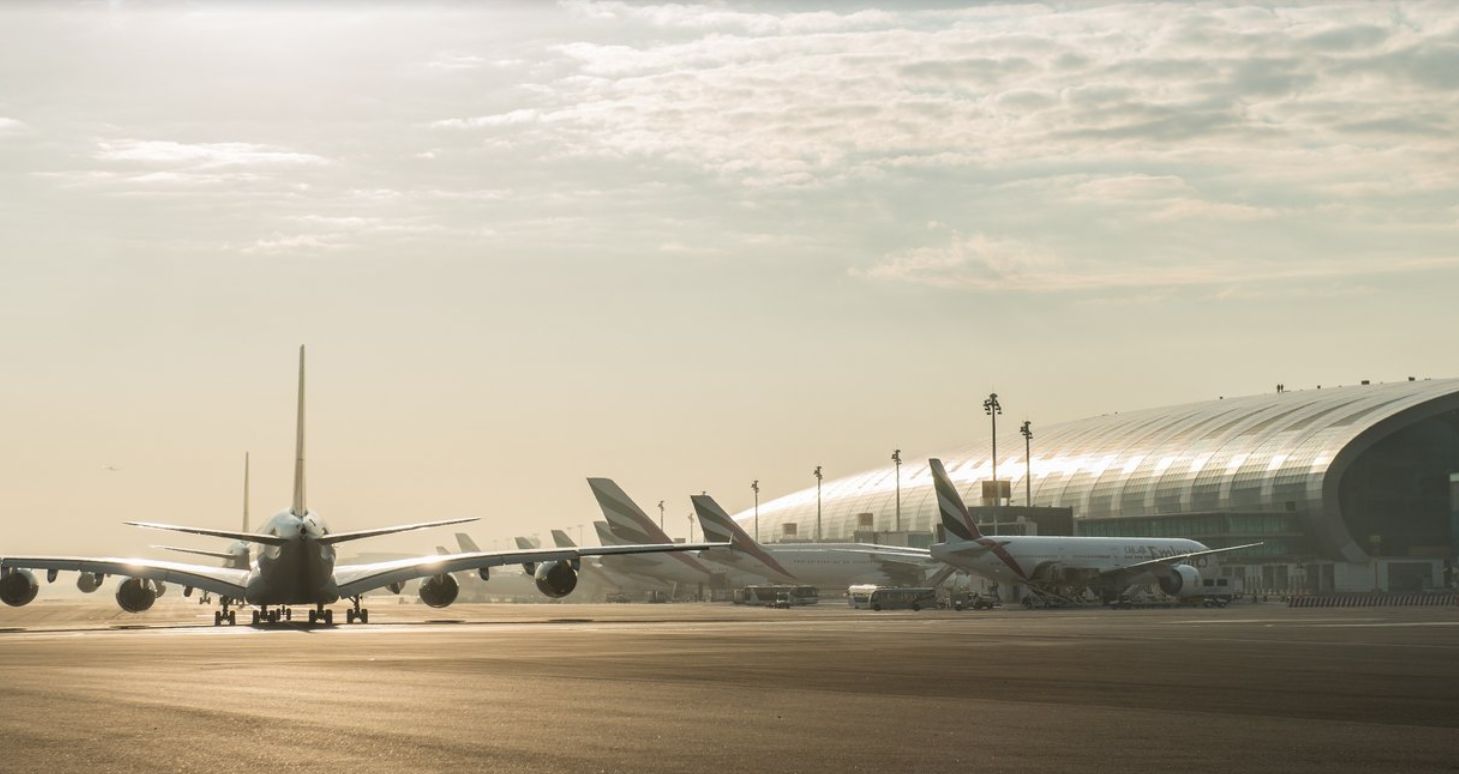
[225,616]
[356,613]
[321,615]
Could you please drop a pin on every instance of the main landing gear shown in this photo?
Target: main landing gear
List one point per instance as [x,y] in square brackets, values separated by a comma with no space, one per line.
[265,615]
[356,613]
[225,615]
[320,615]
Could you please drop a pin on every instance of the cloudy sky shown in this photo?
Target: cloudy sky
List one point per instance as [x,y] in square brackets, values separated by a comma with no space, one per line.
[683,245]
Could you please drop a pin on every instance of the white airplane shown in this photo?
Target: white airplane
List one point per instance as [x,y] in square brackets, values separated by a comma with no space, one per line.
[630,525]
[824,565]
[1065,567]
[294,564]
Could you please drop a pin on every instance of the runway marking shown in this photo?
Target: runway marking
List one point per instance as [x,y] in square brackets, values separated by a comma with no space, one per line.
[1390,623]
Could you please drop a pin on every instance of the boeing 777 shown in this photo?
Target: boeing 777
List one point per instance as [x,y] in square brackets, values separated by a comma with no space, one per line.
[294,564]
[1065,567]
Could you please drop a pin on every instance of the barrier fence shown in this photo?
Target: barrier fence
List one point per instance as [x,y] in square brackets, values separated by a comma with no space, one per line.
[1409,599]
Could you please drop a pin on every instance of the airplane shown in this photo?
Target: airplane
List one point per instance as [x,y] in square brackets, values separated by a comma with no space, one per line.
[630,525]
[294,564]
[1063,568]
[236,555]
[824,565]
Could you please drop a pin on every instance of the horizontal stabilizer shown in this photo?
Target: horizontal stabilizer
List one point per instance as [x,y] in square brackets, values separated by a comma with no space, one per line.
[341,537]
[197,552]
[247,537]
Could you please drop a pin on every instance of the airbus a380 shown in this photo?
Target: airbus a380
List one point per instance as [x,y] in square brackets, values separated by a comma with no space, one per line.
[1065,566]
[294,564]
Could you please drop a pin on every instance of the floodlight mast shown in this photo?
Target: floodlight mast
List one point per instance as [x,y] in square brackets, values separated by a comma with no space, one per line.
[993,408]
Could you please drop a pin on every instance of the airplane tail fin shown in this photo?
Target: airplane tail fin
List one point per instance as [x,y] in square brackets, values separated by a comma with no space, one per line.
[720,527]
[606,536]
[561,540]
[956,520]
[625,518]
[467,544]
[527,544]
[299,508]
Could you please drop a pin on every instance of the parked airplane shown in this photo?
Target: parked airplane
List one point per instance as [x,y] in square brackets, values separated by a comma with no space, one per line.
[629,524]
[236,556]
[1065,567]
[295,564]
[825,565]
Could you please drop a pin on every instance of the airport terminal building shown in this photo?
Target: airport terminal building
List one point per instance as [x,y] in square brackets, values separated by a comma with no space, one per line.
[1349,488]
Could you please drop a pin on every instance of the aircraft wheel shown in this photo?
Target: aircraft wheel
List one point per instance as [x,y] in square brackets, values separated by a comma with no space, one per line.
[288,614]
[313,617]
[876,608]
[217,618]
[916,608]
[329,618]
[232,617]
[349,616]
[364,616]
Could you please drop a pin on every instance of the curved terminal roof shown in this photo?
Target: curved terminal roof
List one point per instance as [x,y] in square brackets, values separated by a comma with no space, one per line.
[1280,452]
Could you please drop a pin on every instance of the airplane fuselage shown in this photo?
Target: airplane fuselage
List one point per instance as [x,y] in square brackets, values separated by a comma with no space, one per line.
[298,572]
[1049,559]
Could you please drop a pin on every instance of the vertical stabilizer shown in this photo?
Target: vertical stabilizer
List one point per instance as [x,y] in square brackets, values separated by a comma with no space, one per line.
[467,544]
[245,491]
[561,540]
[299,508]
[720,527]
[956,521]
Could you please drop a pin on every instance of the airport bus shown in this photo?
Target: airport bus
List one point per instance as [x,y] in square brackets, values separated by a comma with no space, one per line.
[890,597]
[777,596]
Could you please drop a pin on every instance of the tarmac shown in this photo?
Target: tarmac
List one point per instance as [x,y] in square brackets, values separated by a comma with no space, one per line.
[711,688]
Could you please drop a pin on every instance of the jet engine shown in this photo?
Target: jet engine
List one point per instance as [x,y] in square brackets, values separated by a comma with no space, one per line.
[135,595]
[1181,580]
[439,590]
[18,588]
[555,579]
[89,581]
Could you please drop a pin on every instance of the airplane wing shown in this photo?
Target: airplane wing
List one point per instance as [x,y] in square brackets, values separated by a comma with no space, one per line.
[222,581]
[197,552]
[340,537]
[1177,559]
[247,537]
[356,579]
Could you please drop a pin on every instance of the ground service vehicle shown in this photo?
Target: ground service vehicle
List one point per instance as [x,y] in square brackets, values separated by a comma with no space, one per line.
[890,597]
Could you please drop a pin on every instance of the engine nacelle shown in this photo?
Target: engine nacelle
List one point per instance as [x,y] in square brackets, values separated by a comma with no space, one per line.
[18,588]
[1182,580]
[88,582]
[135,595]
[439,590]
[555,579]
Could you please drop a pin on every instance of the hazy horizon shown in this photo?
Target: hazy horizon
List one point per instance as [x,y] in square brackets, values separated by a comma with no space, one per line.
[683,246]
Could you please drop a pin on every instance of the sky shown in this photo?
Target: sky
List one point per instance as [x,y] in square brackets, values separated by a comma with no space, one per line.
[685,246]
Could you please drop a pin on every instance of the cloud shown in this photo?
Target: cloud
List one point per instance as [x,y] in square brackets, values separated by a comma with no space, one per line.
[202,155]
[981,263]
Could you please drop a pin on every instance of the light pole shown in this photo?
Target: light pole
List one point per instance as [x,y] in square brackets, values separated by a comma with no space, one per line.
[1027,431]
[690,517]
[897,459]
[992,408]
[661,514]
[818,503]
[755,486]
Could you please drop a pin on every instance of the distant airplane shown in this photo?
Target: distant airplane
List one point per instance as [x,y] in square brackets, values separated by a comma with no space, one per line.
[295,564]
[1065,567]
[824,565]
